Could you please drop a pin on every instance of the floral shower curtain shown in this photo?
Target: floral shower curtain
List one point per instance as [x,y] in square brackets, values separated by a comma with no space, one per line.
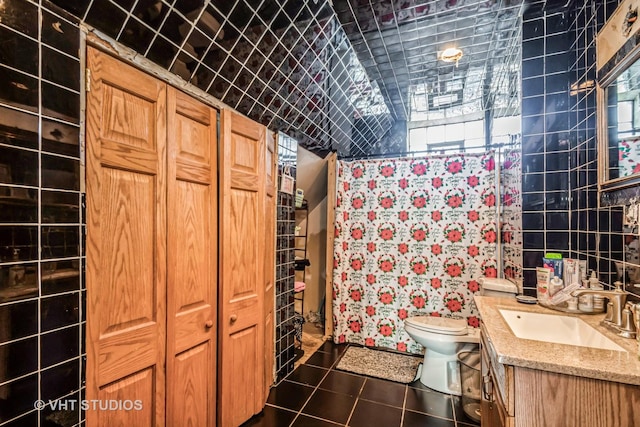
[412,236]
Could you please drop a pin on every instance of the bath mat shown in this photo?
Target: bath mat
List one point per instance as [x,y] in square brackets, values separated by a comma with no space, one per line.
[396,367]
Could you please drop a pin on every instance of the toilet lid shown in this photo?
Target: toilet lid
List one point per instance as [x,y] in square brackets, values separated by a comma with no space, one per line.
[442,325]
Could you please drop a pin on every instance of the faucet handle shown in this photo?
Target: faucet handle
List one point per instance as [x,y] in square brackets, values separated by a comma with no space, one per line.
[609,316]
[628,328]
[635,313]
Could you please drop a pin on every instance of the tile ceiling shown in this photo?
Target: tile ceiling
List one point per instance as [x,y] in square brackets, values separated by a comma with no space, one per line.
[336,78]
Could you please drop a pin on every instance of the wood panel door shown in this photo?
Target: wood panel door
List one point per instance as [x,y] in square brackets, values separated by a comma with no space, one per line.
[192,261]
[241,262]
[126,238]
[270,262]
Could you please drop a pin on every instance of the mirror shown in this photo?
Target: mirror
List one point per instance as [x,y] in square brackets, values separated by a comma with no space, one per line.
[618,74]
[623,128]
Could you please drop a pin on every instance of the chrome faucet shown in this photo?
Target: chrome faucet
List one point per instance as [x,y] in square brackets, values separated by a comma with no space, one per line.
[614,318]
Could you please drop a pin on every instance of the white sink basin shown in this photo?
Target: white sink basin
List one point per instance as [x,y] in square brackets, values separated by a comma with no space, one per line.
[557,329]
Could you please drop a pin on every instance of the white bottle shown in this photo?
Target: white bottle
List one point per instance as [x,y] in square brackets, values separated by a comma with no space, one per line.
[598,301]
[555,286]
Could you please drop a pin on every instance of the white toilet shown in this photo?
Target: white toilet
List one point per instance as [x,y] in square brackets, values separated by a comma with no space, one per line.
[443,338]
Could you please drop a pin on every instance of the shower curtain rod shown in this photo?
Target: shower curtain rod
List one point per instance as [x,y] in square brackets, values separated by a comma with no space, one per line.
[412,153]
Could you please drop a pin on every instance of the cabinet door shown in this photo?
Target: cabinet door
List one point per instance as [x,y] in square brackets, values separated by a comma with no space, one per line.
[242,257]
[493,412]
[126,237]
[192,261]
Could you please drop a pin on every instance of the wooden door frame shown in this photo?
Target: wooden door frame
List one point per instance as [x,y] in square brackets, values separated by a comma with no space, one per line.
[331,226]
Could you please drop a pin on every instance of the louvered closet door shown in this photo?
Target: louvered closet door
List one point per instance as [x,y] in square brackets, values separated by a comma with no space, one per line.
[126,237]
[192,262]
[242,284]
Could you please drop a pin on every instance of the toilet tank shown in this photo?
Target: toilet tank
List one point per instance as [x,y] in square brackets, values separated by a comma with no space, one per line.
[494,287]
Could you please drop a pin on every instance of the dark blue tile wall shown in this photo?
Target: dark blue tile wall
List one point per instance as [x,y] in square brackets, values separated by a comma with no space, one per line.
[593,229]
[545,138]
[41,218]
[560,187]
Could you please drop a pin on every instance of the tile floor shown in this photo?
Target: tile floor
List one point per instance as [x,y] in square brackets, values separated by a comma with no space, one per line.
[317,395]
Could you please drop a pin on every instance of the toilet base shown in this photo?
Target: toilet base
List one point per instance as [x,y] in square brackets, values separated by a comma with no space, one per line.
[441,372]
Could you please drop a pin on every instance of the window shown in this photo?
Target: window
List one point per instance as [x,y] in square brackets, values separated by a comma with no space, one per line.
[467,136]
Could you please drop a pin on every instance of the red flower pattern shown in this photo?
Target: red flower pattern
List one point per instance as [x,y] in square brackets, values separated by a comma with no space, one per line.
[489,236]
[454,305]
[387,171]
[454,236]
[454,167]
[418,302]
[490,200]
[455,227]
[454,201]
[387,202]
[419,235]
[419,169]
[419,202]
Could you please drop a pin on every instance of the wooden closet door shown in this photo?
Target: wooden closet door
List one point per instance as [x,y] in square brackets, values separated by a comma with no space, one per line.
[192,262]
[270,262]
[241,288]
[126,237]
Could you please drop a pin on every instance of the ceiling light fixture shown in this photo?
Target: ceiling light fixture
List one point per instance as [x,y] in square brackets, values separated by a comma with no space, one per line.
[451,54]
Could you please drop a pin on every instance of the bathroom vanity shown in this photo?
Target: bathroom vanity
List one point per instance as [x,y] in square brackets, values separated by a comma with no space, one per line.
[528,382]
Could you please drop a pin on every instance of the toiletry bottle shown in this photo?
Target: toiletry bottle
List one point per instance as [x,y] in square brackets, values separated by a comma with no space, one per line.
[556,285]
[585,302]
[598,301]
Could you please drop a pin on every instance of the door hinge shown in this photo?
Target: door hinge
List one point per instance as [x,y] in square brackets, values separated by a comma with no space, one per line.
[87,80]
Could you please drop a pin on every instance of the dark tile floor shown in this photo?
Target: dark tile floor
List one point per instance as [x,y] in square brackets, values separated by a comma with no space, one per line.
[317,395]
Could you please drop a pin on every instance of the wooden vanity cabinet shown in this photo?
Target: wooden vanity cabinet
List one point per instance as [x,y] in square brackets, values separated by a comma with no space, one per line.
[494,382]
[515,396]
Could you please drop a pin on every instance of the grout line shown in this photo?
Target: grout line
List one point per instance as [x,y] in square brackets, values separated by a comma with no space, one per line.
[404,404]
[355,403]
[316,388]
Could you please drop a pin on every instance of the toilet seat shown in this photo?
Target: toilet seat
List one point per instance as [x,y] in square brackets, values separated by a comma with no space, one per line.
[438,325]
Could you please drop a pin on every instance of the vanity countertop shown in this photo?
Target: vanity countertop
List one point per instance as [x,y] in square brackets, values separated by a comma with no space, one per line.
[608,365]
